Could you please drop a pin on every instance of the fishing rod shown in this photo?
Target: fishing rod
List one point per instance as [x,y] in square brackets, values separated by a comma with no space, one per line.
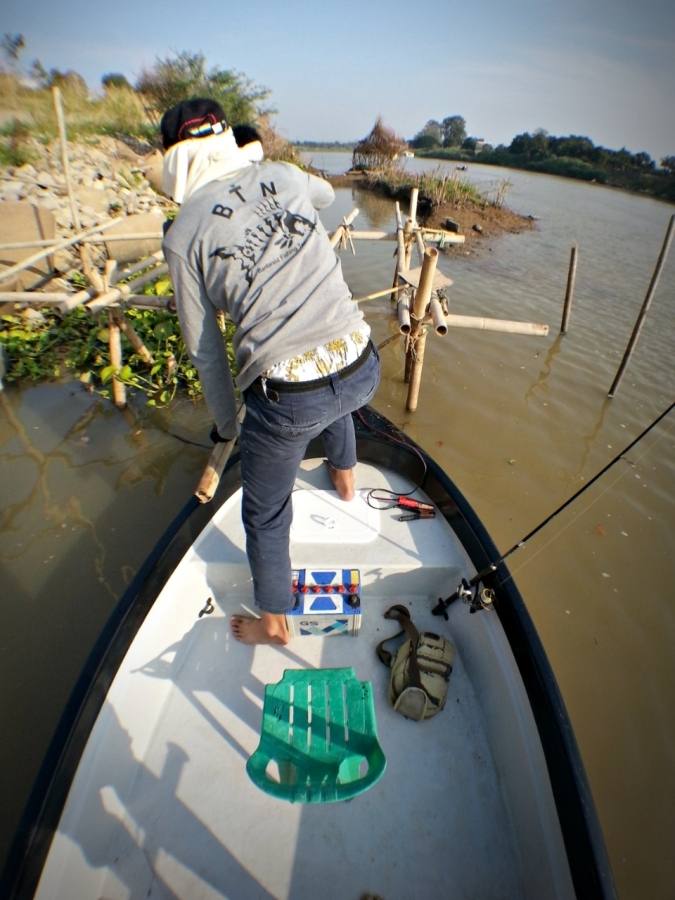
[465,590]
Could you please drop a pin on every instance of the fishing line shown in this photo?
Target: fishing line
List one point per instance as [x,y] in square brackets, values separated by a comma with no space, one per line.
[590,505]
[586,486]
[443,604]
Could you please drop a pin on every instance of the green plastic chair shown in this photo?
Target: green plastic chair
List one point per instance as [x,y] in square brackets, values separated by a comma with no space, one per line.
[319,728]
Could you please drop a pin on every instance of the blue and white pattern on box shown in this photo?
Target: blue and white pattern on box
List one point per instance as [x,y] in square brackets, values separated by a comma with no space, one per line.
[327,602]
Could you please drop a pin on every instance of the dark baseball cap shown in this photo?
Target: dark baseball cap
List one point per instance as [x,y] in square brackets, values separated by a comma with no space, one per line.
[195,118]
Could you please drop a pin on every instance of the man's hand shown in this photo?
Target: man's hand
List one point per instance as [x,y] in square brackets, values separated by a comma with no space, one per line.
[217,437]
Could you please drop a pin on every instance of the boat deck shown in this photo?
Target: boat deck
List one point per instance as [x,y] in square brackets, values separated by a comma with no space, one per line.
[161,805]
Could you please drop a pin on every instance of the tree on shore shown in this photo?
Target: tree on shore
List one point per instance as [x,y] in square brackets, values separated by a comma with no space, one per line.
[451,132]
[531,146]
[185,75]
[429,137]
[454,131]
[115,80]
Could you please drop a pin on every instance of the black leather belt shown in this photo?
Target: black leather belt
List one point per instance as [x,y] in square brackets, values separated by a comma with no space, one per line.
[272,387]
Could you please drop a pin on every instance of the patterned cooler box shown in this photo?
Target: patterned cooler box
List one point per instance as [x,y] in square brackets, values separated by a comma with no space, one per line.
[327,602]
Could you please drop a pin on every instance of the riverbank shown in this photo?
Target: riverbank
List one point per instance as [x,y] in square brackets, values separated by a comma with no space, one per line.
[659,184]
[475,217]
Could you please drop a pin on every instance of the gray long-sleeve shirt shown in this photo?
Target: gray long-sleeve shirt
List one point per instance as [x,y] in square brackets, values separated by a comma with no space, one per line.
[253,246]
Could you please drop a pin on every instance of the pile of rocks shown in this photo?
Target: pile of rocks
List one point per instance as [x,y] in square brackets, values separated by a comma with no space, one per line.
[108,179]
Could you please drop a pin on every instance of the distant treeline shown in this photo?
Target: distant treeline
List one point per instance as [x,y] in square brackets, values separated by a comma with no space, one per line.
[572,156]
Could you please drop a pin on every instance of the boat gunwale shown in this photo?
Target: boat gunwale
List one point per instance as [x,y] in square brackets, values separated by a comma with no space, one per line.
[584,842]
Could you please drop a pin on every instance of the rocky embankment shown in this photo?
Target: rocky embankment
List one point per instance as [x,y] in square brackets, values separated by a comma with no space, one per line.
[109,179]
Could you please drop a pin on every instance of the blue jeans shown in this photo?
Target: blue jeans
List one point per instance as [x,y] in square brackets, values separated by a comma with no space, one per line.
[274,438]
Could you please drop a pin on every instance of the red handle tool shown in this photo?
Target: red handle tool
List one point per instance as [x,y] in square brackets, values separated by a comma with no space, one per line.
[409,503]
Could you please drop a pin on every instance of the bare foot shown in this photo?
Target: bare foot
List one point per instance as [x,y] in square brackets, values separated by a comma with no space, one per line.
[268,629]
[343,482]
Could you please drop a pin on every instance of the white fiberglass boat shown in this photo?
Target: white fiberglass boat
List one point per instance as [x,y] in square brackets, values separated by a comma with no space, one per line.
[146,791]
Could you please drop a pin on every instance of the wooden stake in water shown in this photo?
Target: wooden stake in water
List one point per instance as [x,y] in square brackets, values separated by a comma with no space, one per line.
[87,266]
[414,196]
[115,344]
[418,335]
[645,306]
[569,293]
[400,252]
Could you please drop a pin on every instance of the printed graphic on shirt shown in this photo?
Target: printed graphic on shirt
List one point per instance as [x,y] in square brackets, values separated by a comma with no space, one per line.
[279,227]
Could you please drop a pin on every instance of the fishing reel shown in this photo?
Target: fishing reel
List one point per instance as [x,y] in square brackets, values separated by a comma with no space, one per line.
[474,596]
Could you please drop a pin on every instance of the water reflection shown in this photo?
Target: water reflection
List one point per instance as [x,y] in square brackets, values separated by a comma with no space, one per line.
[541,380]
[378,209]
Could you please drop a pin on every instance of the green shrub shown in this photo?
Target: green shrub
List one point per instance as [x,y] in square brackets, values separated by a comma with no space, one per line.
[435,188]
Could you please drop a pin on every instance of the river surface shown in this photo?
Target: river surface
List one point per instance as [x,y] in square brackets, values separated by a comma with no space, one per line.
[520,424]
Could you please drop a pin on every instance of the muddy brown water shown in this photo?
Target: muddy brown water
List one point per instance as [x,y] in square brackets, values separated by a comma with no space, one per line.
[519,423]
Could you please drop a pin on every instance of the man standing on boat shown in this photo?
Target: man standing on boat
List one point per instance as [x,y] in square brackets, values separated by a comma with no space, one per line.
[248,242]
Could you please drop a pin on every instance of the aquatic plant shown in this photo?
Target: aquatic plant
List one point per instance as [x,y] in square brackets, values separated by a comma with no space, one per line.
[48,346]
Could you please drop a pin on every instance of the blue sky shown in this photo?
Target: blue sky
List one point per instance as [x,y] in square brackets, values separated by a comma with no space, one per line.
[601,68]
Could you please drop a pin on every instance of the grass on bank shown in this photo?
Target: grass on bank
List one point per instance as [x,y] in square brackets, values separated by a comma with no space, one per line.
[119,112]
[436,188]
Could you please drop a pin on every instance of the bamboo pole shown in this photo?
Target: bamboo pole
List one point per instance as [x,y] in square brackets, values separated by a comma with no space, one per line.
[417,340]
[438,236]
[373,235]
[134,236]
[64,301]
[115,343]
[504,325]
[437,316]
[424,288]
[414,195]
[421,248]
[399,253]
[109,272]
[157,235]
[416,371]
[377,294]
[130,333]
[403,311]
[87,265]
[569,292]
[336,236]
[149,301]
[32,297]
[645,306]
[61,124]
[6,274]
[387,341]
[400,242]
[145,263]
[122,291]
[408,241]
[208,483]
